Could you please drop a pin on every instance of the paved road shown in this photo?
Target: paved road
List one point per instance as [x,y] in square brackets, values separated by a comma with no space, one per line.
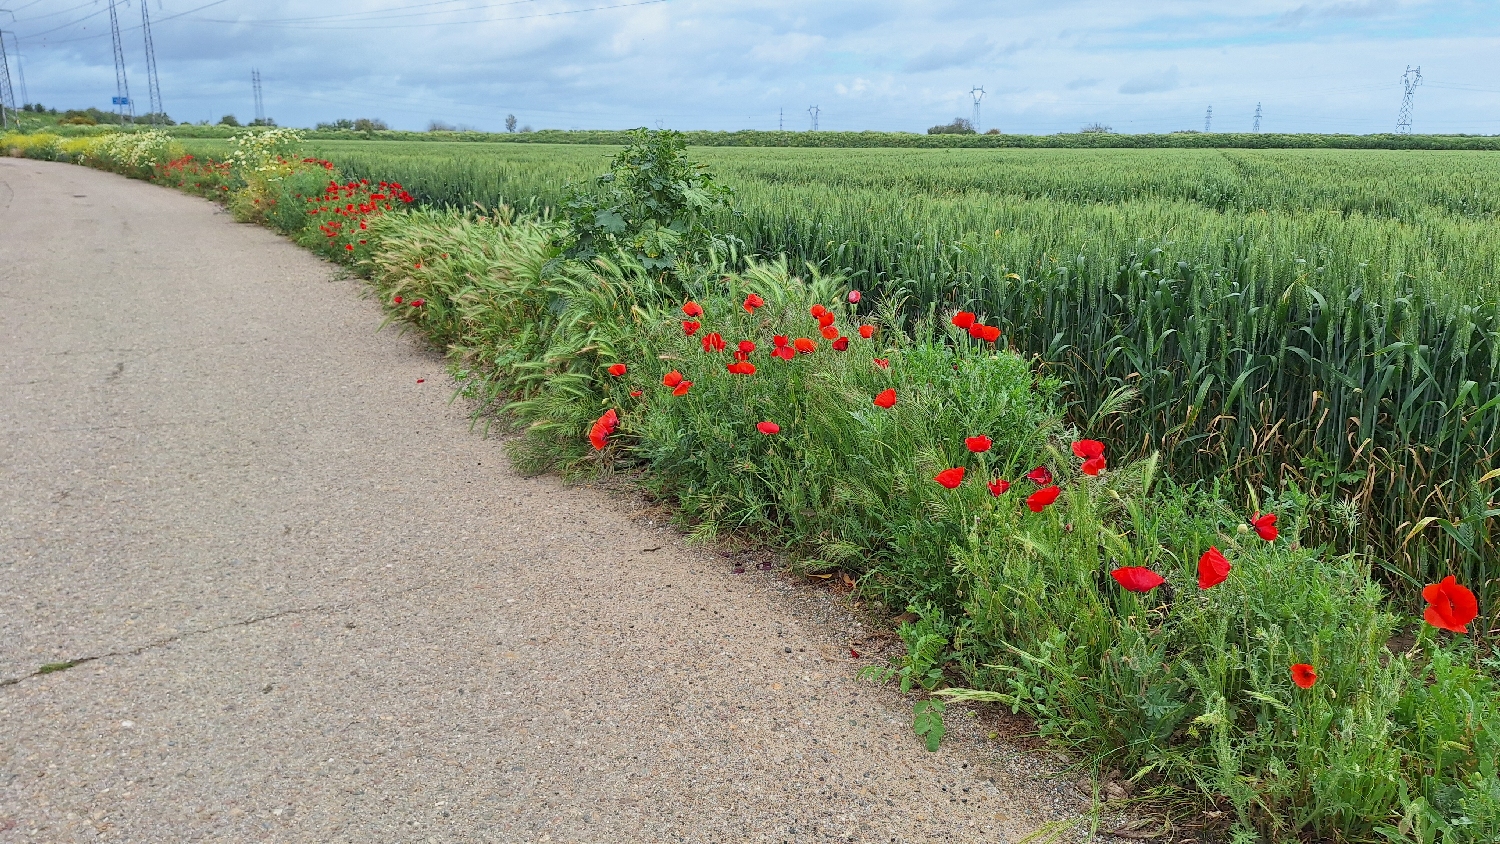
[311,605]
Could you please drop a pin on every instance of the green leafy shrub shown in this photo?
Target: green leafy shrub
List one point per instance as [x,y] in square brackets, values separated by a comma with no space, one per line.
[653,206]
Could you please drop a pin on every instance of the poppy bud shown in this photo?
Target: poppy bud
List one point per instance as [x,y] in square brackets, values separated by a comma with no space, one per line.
[854,297]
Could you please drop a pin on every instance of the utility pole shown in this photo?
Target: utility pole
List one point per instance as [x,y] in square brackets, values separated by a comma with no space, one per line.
[977,92]
[153,85]
[260,108]
[1409,80]
[814,111]
[1208,120]
[122,88]
[7,96]
[781,119]
[1256,130]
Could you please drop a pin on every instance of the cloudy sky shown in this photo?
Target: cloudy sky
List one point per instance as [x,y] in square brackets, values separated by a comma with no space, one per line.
[1046,65]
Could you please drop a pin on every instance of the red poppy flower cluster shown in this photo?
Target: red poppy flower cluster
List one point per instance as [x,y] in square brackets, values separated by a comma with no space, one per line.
[969,322]
[349,207]
[205,178]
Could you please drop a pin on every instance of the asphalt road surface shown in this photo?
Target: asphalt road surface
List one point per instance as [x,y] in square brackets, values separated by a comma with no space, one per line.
[260,581]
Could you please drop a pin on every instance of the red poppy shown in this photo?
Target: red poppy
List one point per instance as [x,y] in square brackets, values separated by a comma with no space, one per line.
[999,487]
[681,389]
[963,319]
[989,333]
[819,310]
[752,302]
[741,367]
[690,327]
[746,346]
[1094,465]
[603,427]
[419,265]
[804,345]
[1041,476]
[825,320]
[783,352]
[978,444]
[672,379]
[1304,675]
[779,340]
[1213,569]
[692,309]
[417,303]
[976,331]
[349,246]
[854,297]
[951,478]
[617,370]
[739,355]
[829,332]
[768,428]
[397,300]
[1265,526]
[883,363]
[841,344]
[886,399]
[1088,449]
[635,394]
[1450,606]
[420,380]
[713,342]
[1137,578]
[867,331]
[1039,500]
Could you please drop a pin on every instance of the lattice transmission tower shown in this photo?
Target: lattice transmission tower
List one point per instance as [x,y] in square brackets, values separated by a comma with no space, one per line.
[122,102]
[7,96]
[260,106]
[977,92]
[1208,120]
[1256,130]
[153,85]
[814,111]
[1409,80]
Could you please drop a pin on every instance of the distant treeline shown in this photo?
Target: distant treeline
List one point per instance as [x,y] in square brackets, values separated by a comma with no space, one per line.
[1081,140]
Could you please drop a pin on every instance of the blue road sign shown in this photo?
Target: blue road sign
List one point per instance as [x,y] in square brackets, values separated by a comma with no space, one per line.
[120,100]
